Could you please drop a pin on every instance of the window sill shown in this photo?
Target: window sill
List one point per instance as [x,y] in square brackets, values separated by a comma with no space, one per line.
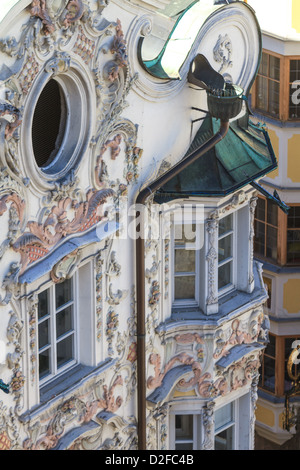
[276,121]
[64,384]
[276,268]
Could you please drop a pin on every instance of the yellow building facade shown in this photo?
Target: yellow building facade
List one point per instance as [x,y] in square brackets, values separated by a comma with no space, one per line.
[275,101]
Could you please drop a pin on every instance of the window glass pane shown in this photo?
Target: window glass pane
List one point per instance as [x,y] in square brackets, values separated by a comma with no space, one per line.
[43,304]
[185,261]
[269,374]
[260,212]
[293,220]
[63,292]
[293,246]
[271,243]
[263,68]
[259,238]
[294,105]
[225,225]
[64,351]
[274,69]
[274,97]
[224,275]
[224,416]
[184,287]
[225,248]
[224,439]
[64,321]
[272,213]
[44,337]
[271,346]
[184,427]
[185,234]
[294,70]
[44,363]
[262,93]
[184,446]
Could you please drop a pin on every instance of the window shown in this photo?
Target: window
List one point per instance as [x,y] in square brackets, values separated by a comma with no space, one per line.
[225,428]
[56,329]
[293,235]
[273,373]
[268,85]
[277,235]
[49,123]
[266,229]
[294,84]
[277,87]
[184,432]
[185,263]
[225,252]
[267,372]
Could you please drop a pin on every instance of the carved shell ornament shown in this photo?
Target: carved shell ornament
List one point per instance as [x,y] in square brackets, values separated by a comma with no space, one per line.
[222,52]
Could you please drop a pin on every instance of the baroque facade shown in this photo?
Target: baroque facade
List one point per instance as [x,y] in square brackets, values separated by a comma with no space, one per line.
[91,115]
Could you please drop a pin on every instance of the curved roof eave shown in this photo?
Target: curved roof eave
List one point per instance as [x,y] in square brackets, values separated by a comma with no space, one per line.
[6,7]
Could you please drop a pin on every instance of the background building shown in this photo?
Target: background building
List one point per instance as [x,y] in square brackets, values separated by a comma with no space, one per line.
[275,102]
[110,340]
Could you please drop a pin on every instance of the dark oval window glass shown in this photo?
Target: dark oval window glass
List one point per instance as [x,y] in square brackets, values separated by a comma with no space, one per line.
[49,123]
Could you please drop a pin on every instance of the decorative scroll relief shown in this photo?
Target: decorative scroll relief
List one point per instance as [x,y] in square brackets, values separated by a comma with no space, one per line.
[55,34]
[207,377]
[65,218]
[222,52]
[246,331]
[75,411]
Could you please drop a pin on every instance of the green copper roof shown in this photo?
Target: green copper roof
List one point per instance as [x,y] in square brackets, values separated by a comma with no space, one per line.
[6,6]
[243,155]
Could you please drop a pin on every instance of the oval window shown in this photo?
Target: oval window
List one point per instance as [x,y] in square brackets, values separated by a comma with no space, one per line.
[49,124]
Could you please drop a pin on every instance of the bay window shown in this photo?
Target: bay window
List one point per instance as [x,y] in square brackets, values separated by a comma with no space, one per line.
[277,235]
[276,92]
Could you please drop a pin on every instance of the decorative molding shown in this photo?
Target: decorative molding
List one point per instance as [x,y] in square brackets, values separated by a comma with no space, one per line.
[252,206]
[41,237]
[65,268]
[236,334]
[211,257]
[100,407]
[222,52]
[208,424]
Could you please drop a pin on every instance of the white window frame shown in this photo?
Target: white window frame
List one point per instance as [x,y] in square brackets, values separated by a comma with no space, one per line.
[54,370]
[233,423]
[233,231]
[190,246]
[196,438]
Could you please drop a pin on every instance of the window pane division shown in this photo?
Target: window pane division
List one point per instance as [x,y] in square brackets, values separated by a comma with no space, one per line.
[56,313]
[185,262]
[184,432]
[225,252]
[294,89]
[267,370]
[266,229]
[224,428]
[268,85]
[293,235]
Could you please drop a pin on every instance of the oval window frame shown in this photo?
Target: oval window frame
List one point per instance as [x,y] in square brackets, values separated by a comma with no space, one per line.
[79,94]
